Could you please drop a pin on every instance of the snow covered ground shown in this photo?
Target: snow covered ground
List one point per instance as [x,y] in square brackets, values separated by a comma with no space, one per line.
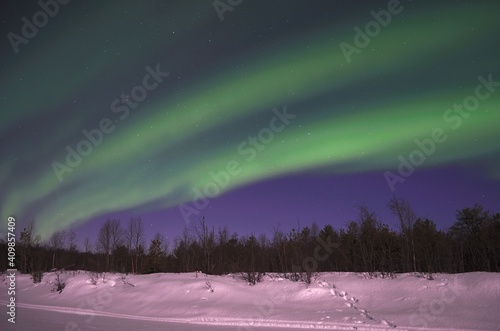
[341,301]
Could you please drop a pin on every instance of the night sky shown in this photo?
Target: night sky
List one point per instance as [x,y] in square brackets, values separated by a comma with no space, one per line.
[262,112]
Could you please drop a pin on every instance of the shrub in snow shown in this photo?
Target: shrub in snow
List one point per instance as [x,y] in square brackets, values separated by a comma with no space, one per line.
[125,280]
[208,285]
[94,277]
[376,274]
[300,276]
[37,276]
[294,276]
[60,285]
[390,275]
[252,277]
[310,276]
[427,276]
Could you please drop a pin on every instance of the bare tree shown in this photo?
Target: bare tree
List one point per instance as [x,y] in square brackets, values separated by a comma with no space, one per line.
[368,234]
[183,250]
[221,255]
[28,239]
[87,245]
[407,217]
[206,239]
[116,234]
[134,239]
[56,242]
[104,242]
[165,245]
[71,236]
[110,236]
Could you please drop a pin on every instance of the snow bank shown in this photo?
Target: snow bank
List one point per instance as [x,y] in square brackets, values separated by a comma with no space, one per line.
[334,300]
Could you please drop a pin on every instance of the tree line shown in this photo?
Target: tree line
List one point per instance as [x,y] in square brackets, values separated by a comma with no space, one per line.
[366,244]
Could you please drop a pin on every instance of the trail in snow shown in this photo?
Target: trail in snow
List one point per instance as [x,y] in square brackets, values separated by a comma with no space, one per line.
[352,302]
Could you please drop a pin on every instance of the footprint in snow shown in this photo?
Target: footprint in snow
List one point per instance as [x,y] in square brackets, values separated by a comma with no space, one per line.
[365,314]
[388,323]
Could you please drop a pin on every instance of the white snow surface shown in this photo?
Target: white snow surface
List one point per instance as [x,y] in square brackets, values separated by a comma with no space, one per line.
[338,301]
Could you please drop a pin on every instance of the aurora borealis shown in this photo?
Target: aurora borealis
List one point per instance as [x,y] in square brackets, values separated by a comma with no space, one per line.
[216,103]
